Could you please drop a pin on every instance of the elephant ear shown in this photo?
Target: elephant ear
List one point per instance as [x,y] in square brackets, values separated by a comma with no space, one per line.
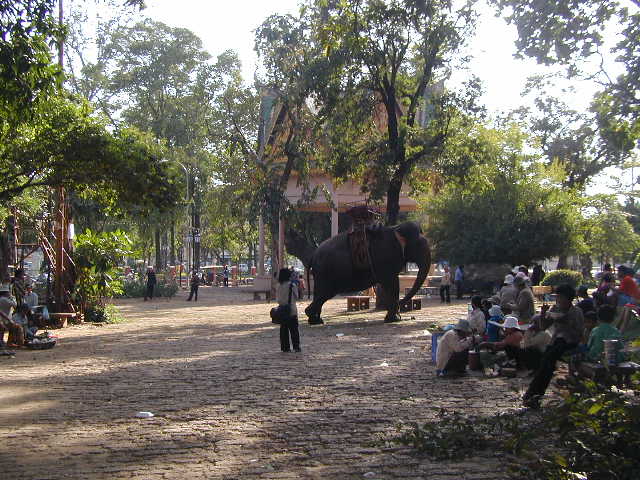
[410,231]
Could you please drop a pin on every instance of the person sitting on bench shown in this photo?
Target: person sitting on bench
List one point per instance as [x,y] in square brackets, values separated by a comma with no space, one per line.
[604,331]
[568,324]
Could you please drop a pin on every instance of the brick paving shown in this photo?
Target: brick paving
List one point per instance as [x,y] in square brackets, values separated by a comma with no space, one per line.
[227,403]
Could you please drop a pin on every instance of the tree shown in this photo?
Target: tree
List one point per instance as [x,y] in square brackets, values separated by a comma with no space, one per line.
[572,34]
[65,144]
[607,233]
[386,64]
[504,212]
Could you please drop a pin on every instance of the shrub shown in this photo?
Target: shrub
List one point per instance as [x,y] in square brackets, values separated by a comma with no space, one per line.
[559,277]
[103,314]
[137,289]
[593,433]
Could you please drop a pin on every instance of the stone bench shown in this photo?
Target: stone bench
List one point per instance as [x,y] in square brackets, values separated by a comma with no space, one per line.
[358,302]
[411,304]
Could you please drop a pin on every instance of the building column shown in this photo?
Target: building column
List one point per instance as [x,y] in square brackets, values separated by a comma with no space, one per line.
[334,211]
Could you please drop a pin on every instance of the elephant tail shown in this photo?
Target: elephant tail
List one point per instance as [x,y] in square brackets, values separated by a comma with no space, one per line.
[309,282]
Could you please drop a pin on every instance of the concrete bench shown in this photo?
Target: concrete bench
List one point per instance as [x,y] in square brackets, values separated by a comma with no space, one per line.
[358,302]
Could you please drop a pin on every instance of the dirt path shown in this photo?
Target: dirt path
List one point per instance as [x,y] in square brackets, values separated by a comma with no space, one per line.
[228,403]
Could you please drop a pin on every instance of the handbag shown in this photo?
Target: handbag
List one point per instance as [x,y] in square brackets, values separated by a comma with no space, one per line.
[282,313]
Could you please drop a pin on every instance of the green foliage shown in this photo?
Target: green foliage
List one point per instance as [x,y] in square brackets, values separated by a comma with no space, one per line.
[96,257]
[606,229]
[505,210]
[572,34]
[379,79]
[66,144]
[559,277]
[137,288]
[593,433]
[27,74]
[103,314]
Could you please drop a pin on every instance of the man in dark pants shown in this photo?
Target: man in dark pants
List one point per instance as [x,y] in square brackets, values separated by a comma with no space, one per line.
[225,276]
[445,285]
[151,283]
[568,328]
[195,283]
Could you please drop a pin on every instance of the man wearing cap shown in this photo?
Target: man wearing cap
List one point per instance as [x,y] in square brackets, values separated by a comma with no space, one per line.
[523,308]
[508,293]
[568,326]
[452,356]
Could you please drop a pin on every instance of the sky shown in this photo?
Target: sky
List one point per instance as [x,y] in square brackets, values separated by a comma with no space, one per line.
[229,25]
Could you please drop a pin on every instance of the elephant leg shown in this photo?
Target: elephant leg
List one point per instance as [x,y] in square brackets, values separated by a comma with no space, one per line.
[392,290]
[315,308]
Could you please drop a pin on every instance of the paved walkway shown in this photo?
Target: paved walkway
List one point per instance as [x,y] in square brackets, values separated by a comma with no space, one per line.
[228,403]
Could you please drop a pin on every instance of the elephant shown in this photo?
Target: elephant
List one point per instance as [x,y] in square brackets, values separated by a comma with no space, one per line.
[390,248]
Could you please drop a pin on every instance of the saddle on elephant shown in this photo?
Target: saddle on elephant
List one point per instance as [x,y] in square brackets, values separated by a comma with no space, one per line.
[362,217]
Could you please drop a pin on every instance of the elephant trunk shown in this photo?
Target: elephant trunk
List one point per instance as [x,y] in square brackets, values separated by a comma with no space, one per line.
[424,262]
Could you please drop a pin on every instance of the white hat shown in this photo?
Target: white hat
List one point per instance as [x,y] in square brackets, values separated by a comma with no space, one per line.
[509,322]
[508,279]
[463,325]
[495,310]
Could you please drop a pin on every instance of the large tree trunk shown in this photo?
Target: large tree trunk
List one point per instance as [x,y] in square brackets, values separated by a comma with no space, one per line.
[562,262]
[158,266]
[586,265]
[172,252]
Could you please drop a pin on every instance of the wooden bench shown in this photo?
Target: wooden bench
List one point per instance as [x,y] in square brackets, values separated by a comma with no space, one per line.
[435,291]
[540,291]
[357,302]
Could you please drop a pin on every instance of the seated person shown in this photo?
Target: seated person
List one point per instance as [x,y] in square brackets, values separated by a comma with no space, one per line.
[568,324]
[30,297]
[476,317]
[628,291]
[21,317]
[590,322]
[512,336]
[508,294]
[586,302]
[605,293]
[533,345]
[604,331]
[452,356]
[523,308]
[495,319]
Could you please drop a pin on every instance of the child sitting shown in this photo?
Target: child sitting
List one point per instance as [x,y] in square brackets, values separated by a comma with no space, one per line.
[495,317]
[604,331]
[586,303]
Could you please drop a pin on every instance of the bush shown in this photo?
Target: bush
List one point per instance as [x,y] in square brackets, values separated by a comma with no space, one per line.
[559,277]
[593,433]
[103,314]
[138,288]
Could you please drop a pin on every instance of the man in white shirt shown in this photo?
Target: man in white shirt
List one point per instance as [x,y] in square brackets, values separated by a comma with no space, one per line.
[452,355]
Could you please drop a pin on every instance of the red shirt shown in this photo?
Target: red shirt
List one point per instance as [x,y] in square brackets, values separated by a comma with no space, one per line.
[629,287]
